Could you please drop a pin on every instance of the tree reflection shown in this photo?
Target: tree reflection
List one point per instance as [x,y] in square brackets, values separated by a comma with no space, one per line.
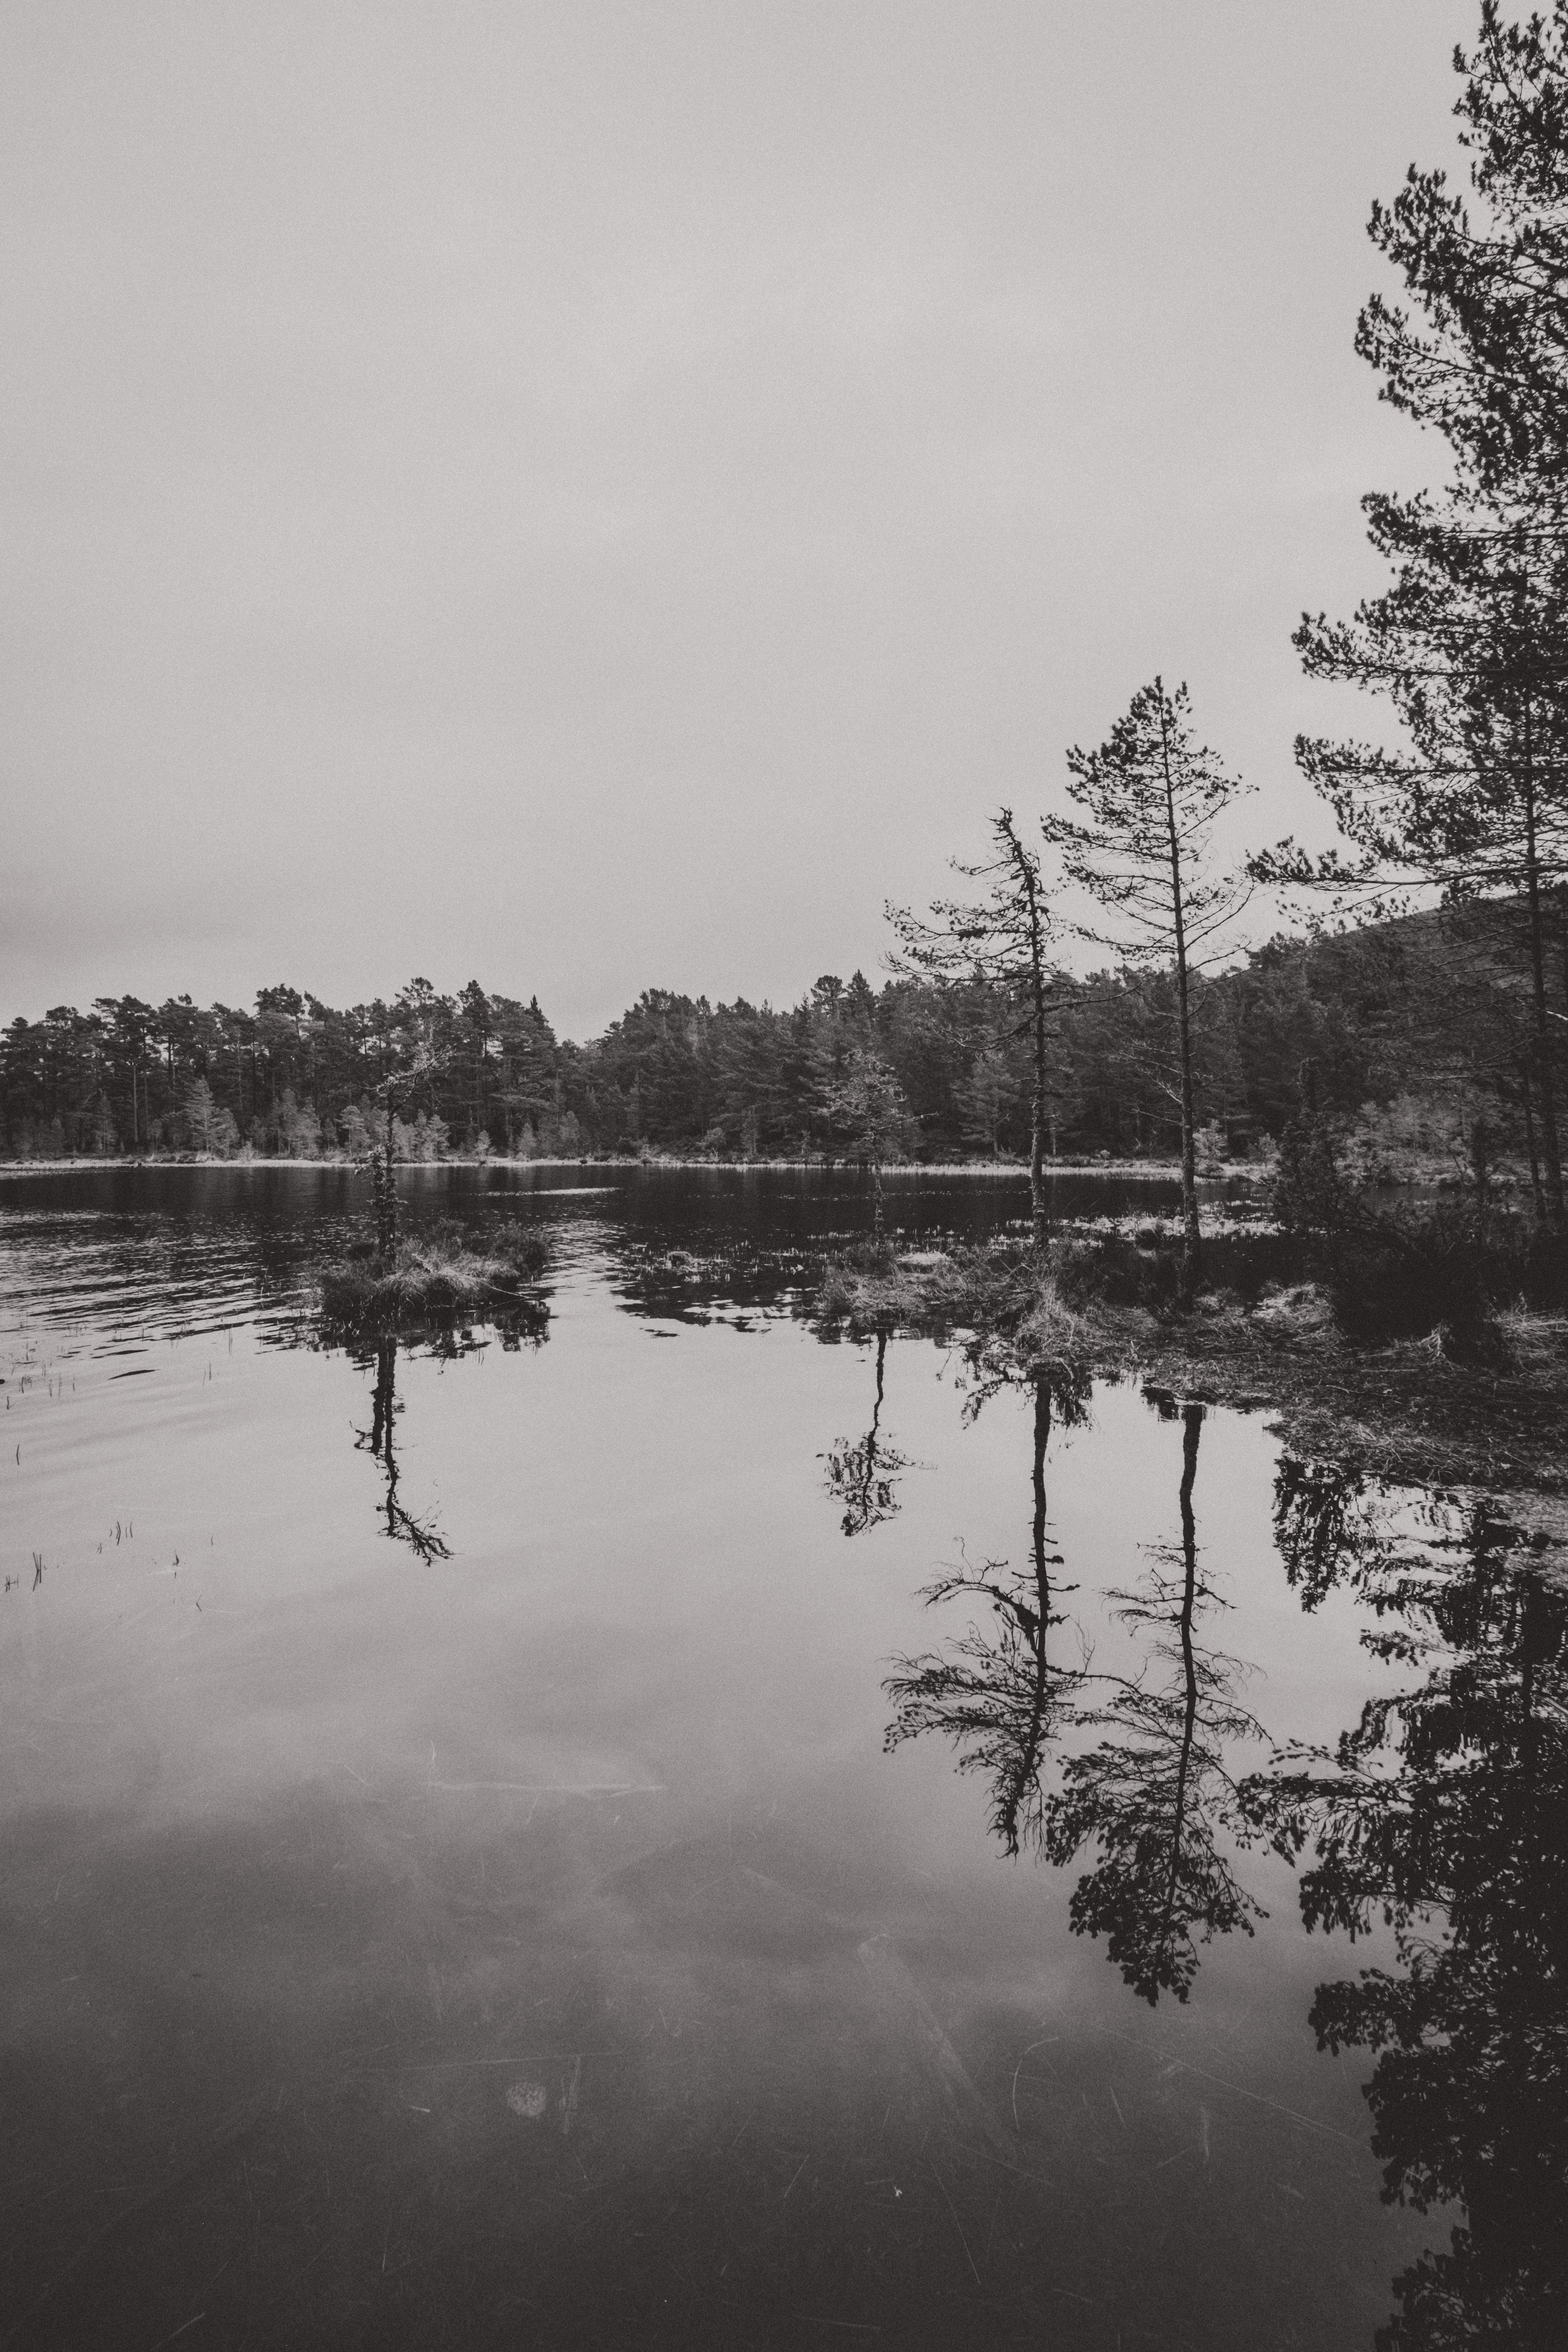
[863,1474]
[402,1524]
[1336,1526]
[1444,1815]
[998,1696]
[1316,1515]
[1153,1799]
[1156,1796]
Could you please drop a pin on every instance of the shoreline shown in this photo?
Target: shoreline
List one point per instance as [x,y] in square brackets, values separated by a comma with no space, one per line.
[1152,1171]
[1012,1169]
[1400,1411]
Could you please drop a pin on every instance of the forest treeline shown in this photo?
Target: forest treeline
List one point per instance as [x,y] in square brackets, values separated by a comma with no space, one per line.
[1407,1031]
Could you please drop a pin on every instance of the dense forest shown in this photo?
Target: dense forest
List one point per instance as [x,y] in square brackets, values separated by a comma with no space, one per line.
[1409,1031]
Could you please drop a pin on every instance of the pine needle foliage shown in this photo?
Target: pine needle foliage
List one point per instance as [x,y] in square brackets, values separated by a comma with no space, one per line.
[1000,940]
[1141,848]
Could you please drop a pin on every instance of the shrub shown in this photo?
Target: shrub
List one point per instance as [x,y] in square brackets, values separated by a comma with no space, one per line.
[1310,1193]
[1211,1147]
[1404,1274]
[1412,1271]
[519,1246]
[1112,1271]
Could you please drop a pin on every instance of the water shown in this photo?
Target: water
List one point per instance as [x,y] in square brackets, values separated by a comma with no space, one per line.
[458,1889]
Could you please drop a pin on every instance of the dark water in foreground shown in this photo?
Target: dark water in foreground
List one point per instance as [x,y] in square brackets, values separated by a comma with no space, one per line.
[457,1888]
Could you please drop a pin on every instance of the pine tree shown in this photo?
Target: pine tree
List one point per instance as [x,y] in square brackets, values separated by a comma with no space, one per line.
[1142,849]
[1000,940]
[865,1108]
[1466,644]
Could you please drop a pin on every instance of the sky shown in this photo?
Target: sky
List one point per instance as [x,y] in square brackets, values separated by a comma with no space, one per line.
[590,497]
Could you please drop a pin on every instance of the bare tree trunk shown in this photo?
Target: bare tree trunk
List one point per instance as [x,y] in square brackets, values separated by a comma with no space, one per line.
[1482,1154]
[385,1192]
[1039,1219]
[1191,1425]
[1039,1215]
[1536,1186]
[1192,1231]
[1542,1026]
[1036,1634]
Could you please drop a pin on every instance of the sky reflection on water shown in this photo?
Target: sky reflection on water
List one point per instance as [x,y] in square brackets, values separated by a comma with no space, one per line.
[458,1889]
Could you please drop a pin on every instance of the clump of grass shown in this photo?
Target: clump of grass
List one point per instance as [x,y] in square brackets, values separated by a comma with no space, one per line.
[1001,1299]
[1054,1341]
[1442,1272]
[431,1277]
[871,1287]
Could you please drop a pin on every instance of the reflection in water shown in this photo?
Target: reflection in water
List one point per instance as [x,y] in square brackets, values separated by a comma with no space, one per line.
[1153,1797]
[515,1322]
[998,1696]
[281,2008]
[1443,1814]
[402,1525]
[1316,1508]
[1156,1797]
[863,1473]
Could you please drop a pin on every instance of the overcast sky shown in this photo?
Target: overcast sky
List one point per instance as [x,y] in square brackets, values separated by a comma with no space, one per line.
[590,497]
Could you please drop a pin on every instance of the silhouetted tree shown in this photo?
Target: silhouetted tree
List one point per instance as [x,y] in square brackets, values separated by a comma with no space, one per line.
[1466,645]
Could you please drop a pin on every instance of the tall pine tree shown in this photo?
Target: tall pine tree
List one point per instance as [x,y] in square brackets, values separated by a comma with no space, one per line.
[1141,849]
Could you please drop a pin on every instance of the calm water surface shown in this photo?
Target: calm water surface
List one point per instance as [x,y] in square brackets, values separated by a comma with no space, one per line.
[682,1831]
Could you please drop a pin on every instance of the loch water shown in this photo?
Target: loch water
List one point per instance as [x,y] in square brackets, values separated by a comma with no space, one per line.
[661,1823]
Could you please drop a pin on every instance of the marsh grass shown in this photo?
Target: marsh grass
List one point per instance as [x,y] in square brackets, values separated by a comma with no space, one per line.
[432,1276]
[989,1288]
[1003,1296]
